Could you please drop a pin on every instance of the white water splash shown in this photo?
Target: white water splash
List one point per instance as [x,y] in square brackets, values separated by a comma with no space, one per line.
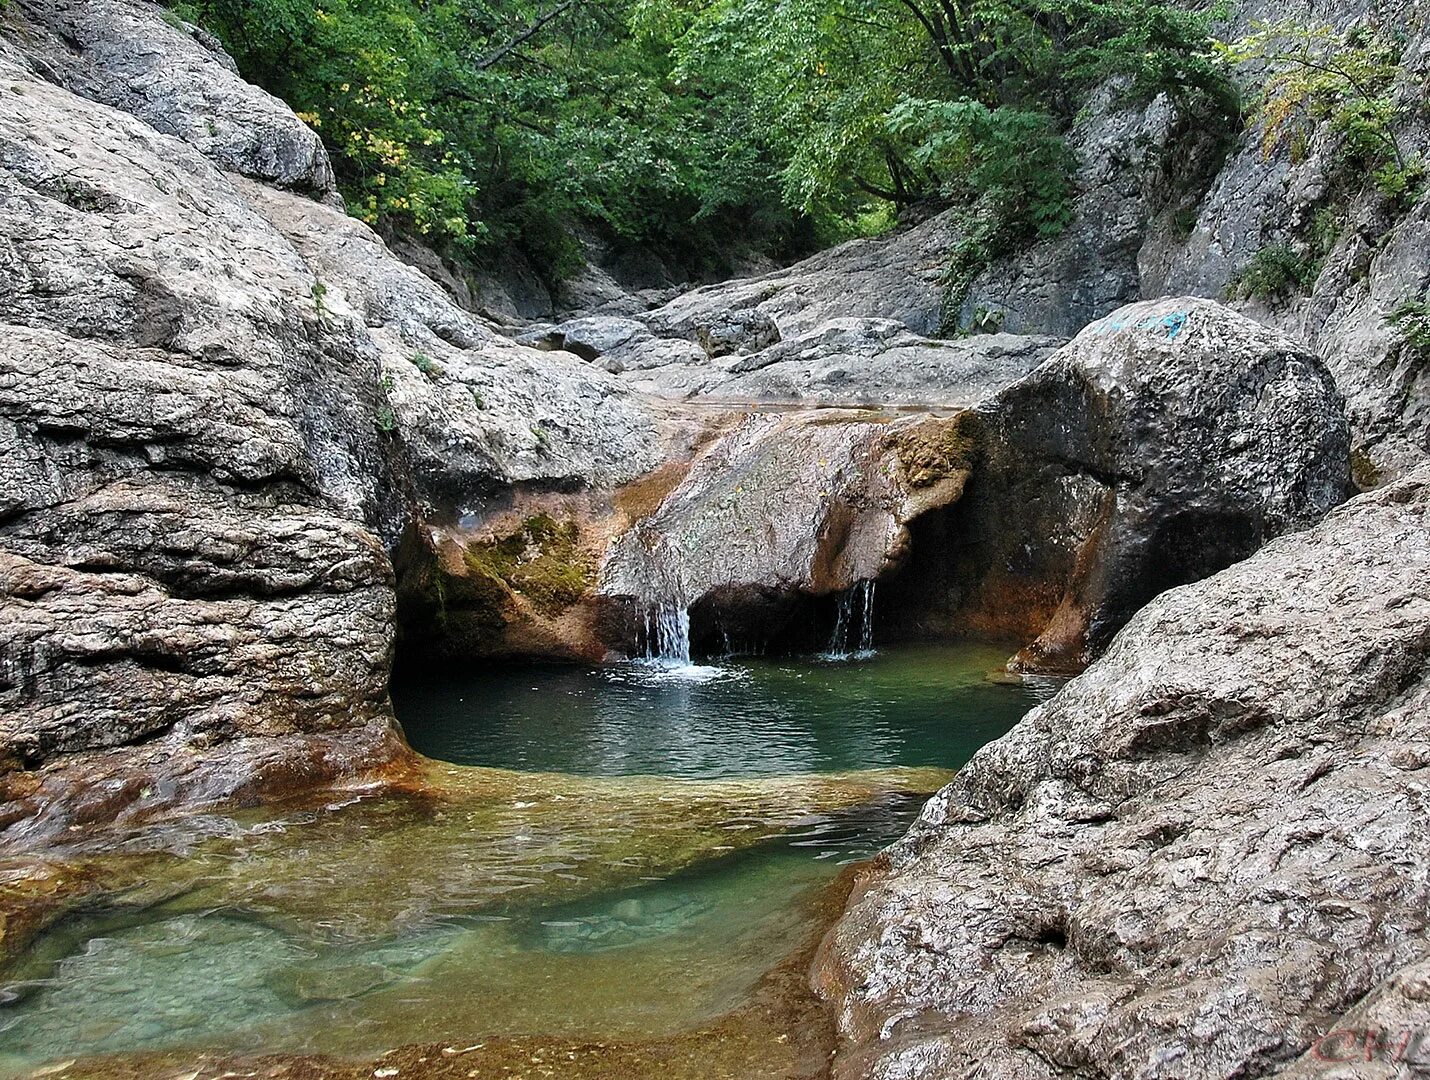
[667,632]
[856,609]
[667,647]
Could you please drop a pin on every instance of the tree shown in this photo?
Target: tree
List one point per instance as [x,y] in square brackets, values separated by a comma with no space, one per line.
[1316,76]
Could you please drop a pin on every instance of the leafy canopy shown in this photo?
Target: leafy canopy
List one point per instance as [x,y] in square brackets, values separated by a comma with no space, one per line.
[1352,83]
[477,123]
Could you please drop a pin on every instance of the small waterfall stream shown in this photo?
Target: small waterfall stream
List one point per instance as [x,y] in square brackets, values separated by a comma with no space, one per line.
[667,632]
[856,610]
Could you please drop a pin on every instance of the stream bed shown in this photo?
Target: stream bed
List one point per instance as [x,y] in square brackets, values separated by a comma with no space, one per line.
[614,853]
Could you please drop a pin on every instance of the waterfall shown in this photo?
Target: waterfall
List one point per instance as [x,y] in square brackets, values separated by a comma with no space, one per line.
[855,604]
[667,632]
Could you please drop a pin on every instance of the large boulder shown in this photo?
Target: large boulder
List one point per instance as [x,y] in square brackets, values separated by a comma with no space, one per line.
[783,509]
[898,276]
[138,57]
[881,362]
[1165,442]
[1198,859]
[195,478]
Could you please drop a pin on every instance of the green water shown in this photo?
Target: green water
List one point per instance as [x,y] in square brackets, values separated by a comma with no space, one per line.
[916,705]
[639,848]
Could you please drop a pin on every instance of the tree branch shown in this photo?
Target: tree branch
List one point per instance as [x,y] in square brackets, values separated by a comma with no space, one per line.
[534,28]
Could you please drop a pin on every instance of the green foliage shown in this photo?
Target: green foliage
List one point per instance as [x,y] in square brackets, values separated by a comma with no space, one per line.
[386,418]
[482,123]
[1009,161]
[1350,83]
[425,364]
[1274,273]
[475,124]
[1411,321]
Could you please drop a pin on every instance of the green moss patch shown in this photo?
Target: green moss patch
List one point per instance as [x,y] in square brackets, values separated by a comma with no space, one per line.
[542,560]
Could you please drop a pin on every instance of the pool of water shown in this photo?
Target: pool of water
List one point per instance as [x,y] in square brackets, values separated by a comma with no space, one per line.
[915,705]
[614,853]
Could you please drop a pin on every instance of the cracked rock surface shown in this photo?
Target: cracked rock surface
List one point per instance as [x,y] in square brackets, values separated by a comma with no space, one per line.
[1194,861]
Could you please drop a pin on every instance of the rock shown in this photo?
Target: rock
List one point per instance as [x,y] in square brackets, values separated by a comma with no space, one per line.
[475,411]
[1161,445]
[224,407]
[589,338]
[783,509]
[194,480]
[721,333]
[1164,443]
[178,80]
[898,276]
[1191,861]
[879,362]
[845,361]
[1123,152]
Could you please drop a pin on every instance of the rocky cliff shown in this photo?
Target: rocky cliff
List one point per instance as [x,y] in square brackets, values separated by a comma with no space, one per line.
[222,405]
[245,445]
[1196,859]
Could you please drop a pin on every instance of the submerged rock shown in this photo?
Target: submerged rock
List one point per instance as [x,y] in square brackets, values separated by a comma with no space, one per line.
[1193,860]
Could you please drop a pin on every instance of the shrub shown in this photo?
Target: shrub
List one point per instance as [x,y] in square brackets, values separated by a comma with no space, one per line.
[425,364]
[1274,273]
[1411,321]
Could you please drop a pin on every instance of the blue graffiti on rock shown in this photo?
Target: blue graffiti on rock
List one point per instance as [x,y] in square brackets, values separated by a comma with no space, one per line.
[1169,325]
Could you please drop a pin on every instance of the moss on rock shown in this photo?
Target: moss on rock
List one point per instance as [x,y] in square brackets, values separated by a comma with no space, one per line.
[542,560]
[938,450]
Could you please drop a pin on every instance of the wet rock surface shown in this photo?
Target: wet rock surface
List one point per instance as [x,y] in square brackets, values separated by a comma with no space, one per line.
[1164,443]
[1190,862]
[787,505]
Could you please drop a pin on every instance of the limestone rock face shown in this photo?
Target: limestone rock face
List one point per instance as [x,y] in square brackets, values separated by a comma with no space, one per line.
[788,506]
[1165,442]
[193,475]
[178,80]
[879,361]
[474,410]
[223,407]
[845,361]
[894,277]
[1193,860]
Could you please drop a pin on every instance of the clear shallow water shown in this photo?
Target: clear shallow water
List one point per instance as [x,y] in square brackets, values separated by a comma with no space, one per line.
[661,848]
[917,705]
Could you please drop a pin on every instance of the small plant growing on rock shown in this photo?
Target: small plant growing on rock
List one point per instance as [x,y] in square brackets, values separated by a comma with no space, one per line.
[1351,82]
[1411,321]
[320,292]
[425,364]
[386,418]
[1274,274]
[477,398]
[986,320]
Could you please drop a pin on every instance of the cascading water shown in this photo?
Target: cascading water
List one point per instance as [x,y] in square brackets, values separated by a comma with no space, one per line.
[856,606]
[667,632]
